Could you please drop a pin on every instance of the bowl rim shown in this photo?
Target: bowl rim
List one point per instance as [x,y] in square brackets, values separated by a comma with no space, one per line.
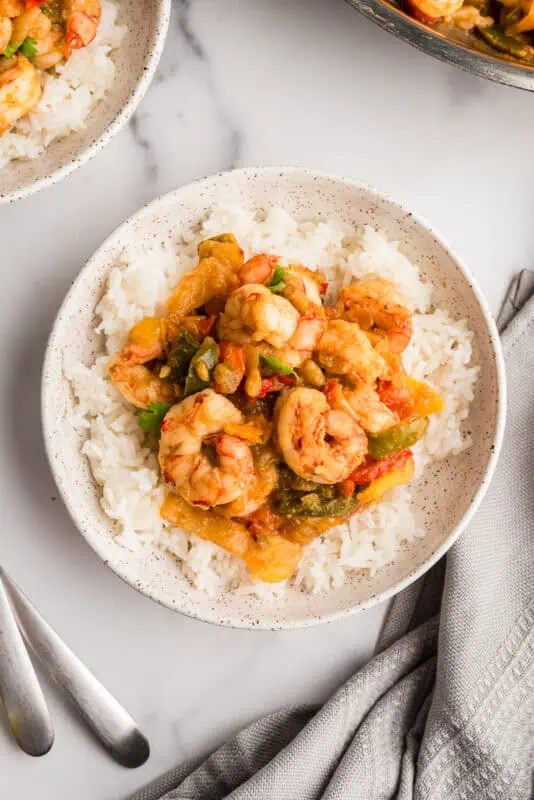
[163,16]
[417,572]
[399,23]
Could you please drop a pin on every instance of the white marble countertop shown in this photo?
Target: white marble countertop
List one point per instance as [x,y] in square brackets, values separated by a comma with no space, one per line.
[242,82]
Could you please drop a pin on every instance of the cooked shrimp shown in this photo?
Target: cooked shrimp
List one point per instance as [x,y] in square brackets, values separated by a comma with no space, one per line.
[6,28]
[303,294]
[260,486]
[308,281]
[303,342]
[431,10]
[312,374]
[302,289]
[82,21]
[254,314]
[375,304]
[373,415]
[212,278]
[48,38]
[319,443]
[308,334]
[50,50]
[189,426]
[469,17]
[293,322]
[31,23]
[138,385]
[364,404]
[20,90]
[345,350]
[136,382]
[258,269]
[11,8]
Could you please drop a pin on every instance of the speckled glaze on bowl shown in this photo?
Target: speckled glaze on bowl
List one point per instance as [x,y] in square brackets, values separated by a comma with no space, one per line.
[445,499]
[136,61]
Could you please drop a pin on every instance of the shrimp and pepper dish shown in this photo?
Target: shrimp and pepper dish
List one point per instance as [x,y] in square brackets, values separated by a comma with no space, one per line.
[35,37]
[275,416]
[499,27]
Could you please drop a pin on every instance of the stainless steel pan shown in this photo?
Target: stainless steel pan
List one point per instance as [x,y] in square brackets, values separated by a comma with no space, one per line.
[393,19]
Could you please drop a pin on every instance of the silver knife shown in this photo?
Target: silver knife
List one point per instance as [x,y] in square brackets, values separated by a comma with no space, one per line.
[20,691]
[110,723]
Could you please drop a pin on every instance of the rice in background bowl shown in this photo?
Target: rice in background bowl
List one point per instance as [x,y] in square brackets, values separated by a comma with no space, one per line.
[95,93]
[303,195]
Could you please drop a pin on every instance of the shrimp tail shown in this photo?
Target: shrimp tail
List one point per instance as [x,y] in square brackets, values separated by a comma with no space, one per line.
[82,26]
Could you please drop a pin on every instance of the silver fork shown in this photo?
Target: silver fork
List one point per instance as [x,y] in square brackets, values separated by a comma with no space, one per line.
[20,691]
[108,720]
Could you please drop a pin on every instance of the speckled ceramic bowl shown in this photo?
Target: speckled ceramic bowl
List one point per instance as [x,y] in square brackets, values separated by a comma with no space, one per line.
[136,61]
[451,491]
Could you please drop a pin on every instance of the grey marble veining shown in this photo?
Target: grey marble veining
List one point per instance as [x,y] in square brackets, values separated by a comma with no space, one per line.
[184,120]
[241,82]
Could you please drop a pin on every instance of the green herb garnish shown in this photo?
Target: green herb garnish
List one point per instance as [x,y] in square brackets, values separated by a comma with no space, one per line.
[28,47]
[277,283]
[276,366]
[11,49]
[151,419]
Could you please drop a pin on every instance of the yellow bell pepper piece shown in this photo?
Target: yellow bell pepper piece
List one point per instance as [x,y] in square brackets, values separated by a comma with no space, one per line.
[527,22]
[426,400]
[256,431]
[212,277]
[397,477]
[148,332]
[273,558]
[222,247]
[226,533]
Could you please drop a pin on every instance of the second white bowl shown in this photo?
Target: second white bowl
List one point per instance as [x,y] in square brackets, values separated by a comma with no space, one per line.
[136,60]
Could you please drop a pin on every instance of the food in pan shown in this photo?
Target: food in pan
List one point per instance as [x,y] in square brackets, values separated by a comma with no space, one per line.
[502,27]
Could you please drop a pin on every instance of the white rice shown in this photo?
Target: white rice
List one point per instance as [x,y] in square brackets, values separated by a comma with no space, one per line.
[132,490]
[69,94]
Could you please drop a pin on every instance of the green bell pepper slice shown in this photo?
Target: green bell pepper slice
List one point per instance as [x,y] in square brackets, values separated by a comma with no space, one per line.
[182,351]
[400,437]
[323,502]
[201,367]
[511,45]
[274,365]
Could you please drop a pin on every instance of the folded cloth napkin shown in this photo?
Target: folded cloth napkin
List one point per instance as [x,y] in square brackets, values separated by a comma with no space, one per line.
[446,709]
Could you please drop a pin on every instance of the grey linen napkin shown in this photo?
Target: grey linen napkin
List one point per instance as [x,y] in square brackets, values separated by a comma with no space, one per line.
[446,709]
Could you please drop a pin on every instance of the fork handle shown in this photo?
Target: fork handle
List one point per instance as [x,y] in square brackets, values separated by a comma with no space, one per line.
[20,691]
[104,715]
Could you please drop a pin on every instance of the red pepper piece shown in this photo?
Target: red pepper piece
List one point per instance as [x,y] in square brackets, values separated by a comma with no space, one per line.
[371,470]
[275,384]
